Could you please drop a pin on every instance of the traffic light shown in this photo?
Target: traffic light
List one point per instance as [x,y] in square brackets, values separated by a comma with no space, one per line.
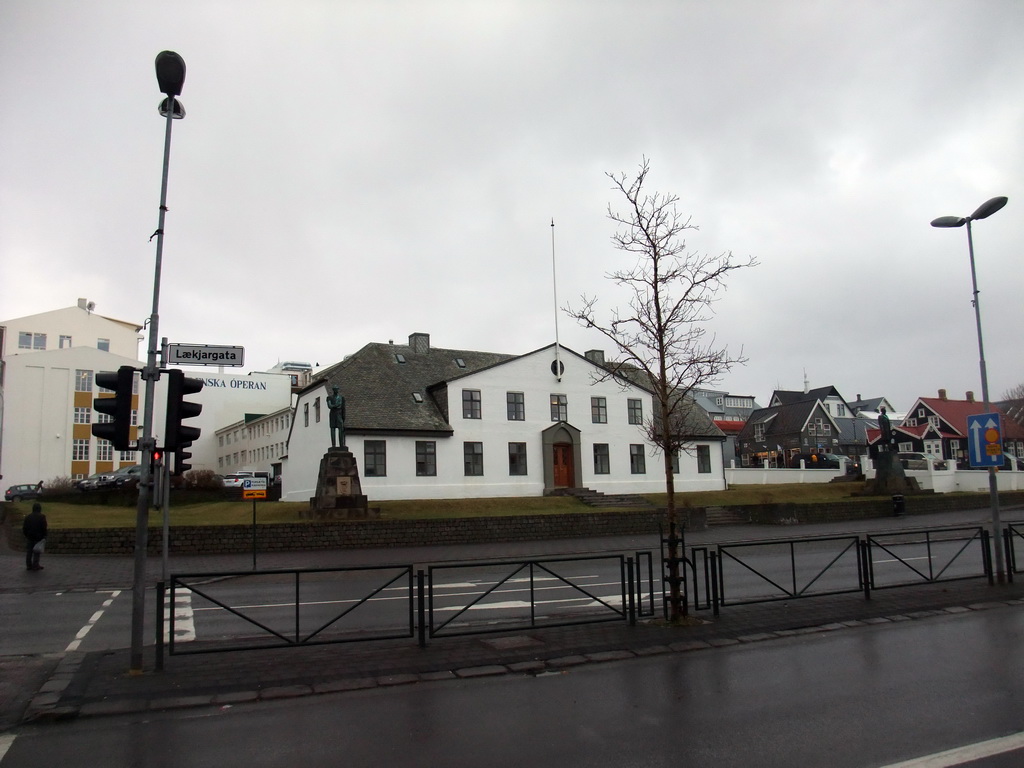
[181,457]
[156,473]
[118,407]
[178,386]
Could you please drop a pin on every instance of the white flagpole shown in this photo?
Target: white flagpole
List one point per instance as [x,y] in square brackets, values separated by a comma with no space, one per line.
[554,287]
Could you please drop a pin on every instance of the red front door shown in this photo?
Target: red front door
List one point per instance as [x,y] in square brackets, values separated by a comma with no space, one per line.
[563,471]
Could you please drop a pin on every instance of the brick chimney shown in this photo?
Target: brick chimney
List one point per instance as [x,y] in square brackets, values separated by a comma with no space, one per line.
[942,394]
[420,343]
[970,397]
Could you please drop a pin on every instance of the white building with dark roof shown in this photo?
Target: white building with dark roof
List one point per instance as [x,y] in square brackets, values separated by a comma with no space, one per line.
[425,422]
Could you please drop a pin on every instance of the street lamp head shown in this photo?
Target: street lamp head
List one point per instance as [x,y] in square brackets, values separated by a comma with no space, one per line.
[949,221]
[987,208]
[178,109]
[170,72]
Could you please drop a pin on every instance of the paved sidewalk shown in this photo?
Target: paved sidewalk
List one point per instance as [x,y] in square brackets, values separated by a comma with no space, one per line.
[98,683]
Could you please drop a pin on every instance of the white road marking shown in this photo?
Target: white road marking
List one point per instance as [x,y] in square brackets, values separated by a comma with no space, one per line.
[404,596]
[184,618]
[80,635]
[966,754]
[6,739]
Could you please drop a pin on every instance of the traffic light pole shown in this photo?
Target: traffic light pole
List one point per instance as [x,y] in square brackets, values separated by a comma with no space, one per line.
[147,443]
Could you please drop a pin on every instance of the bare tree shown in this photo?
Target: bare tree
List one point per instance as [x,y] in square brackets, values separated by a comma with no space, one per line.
[1014,393]
[1013,403]
[661,339]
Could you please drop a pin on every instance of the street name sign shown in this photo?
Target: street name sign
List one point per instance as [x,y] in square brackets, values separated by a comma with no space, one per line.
[205,354]
[985,440]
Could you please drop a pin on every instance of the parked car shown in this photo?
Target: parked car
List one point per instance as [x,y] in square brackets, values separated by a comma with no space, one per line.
[125,475]
[920,461]
[90,483]
[816,460]
[235,480]
[118,478]
[20,492]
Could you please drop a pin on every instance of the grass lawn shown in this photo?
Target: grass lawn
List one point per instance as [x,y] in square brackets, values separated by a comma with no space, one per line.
[61,515]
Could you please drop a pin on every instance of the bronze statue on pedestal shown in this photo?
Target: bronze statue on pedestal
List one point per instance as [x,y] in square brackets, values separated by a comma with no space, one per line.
[336,404]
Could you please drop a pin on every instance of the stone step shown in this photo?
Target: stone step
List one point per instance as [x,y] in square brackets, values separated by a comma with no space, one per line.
[597,499]
[727,516]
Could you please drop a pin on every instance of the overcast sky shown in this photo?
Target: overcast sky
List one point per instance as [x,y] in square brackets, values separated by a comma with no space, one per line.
[351,172]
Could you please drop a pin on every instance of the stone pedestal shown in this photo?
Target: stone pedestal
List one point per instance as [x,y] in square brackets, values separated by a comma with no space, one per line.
[889,477]
[338,491]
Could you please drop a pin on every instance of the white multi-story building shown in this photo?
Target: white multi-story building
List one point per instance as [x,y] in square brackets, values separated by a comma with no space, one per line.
[256,443]
[71,327]
[49,415]
[425,422]
[225,397]
[47,386]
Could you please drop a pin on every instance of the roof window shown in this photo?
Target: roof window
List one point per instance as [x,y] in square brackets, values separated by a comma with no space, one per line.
[399,358]
[460,362]
[417,397]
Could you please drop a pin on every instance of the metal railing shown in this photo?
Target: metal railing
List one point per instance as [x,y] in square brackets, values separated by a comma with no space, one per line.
[1012,535]
[784,569]
[282,616]
[928,555]
[504,594]
[245,610]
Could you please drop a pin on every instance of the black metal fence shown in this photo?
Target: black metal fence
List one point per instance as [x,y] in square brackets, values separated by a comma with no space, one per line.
[784,569]
[240,610]
[280,608]
[762,571]
[1013,536]
[243,610]
[499,596]
[906,558]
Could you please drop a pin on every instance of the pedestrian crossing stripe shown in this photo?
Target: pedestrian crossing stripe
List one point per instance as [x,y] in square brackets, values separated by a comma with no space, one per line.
[184,624]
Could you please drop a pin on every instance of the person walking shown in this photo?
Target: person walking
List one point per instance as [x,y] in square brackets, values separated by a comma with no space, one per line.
[34,528]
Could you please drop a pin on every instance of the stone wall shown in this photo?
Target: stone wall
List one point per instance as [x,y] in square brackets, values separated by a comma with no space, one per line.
[348,534]
[867,508]
[356,534]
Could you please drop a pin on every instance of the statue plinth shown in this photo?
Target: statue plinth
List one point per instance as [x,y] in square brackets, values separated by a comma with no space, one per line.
[338,491]
[889,477]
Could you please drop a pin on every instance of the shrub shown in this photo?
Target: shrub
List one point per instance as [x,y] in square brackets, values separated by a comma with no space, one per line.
[58,486]
[201,478]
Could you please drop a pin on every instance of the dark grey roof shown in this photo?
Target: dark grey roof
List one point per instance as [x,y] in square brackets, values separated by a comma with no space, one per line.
[691,420]
[787,397]
[694,421]
[867,404]
[780,419]
[379,390]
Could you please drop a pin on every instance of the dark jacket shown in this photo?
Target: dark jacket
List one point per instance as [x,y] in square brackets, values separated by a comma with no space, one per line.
[34,526]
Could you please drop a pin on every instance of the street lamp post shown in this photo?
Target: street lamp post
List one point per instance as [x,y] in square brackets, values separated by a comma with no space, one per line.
[170,75]
[985,210]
